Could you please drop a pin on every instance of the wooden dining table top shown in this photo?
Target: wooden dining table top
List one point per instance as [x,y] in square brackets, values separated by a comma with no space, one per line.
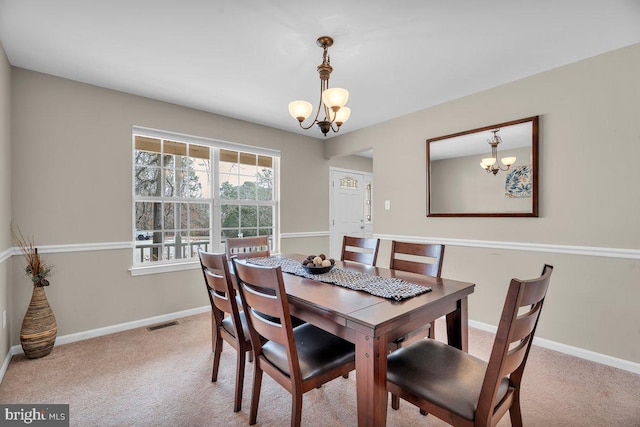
[358,308]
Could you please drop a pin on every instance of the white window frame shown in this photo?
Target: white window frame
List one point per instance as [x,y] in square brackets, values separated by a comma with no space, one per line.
[216,228]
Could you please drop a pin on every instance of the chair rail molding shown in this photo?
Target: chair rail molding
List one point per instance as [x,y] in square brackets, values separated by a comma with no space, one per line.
[489,244]
[6,254]
[79,247]
[303,234]
[522,246]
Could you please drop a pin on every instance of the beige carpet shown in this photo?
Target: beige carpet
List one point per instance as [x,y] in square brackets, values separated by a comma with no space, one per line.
[162,378]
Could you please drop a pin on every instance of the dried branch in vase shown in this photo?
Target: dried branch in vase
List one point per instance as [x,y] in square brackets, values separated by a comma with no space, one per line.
[36,267]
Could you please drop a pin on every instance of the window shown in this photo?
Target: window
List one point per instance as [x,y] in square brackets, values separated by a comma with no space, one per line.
[246,194]
[192,193]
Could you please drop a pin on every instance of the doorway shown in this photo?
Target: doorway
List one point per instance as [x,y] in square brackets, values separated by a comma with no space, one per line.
[350,205]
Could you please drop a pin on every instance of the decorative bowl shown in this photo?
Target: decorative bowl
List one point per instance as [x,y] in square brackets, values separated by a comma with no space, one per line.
[318,270]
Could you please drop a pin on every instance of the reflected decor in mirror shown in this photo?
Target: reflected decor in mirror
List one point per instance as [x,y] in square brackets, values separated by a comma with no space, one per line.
[505,184]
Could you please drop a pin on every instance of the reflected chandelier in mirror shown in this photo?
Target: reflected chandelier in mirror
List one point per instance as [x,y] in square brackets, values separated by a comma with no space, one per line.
[508,152]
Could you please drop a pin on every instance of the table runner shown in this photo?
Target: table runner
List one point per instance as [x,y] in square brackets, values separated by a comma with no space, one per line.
[386,287]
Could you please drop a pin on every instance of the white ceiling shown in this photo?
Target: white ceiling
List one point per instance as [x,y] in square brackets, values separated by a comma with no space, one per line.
[248,59]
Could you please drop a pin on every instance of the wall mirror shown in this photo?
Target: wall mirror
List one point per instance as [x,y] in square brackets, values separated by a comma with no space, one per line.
[490,171]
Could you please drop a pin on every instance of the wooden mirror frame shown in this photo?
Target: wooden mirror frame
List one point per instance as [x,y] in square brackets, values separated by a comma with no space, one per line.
[534,171]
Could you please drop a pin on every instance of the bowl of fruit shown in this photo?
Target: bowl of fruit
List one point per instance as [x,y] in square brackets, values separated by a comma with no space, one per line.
[318,264]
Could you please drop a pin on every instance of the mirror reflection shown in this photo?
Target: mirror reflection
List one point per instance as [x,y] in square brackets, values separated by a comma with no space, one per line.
[490,171]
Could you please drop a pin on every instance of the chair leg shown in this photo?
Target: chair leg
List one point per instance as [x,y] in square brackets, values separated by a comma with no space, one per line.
[217,351]
[255,394]
[296,409]
[395,401]
[214,332]
[425,413]
[237,401]
[514,412]
[432,330]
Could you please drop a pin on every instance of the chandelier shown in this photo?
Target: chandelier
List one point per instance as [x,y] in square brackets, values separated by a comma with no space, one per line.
[491,164]
[332,101]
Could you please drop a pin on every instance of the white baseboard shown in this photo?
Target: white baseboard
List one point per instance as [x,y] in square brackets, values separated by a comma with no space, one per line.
[5,364]
[570,350]
[79,336]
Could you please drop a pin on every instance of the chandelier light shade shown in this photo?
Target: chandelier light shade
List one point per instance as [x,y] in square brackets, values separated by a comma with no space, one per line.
[331,106]
[300,109]
[491,164]
[335,98]
[342,115]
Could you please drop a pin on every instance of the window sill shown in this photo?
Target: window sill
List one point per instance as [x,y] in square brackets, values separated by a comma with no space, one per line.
[143,270]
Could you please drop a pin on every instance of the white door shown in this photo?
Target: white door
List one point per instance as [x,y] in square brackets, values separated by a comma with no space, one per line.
[350,202]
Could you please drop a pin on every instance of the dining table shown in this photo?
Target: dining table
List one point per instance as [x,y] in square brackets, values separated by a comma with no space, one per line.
[373,323]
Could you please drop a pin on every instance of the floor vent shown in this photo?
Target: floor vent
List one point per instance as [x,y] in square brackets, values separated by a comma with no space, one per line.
[162,325]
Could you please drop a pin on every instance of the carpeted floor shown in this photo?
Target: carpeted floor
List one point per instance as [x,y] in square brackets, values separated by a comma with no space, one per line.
[163,378]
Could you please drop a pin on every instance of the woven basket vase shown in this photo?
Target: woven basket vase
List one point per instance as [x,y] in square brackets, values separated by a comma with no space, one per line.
[39,327]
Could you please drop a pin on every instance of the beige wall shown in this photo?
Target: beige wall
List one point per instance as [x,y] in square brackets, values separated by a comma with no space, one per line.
[589,148]
[357,163]
[72,185]
[5,195]
[307,245]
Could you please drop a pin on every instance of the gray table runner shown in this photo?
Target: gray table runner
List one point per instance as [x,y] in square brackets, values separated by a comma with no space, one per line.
[386,287]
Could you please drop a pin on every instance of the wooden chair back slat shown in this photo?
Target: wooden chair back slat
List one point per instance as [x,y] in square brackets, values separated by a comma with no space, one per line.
[524,324]
[220,297]
[360,249]
[247,247]
[514,358]
[532,295]
[422,249]
[268,329]
[265,303]
[361,257]
[262,300]
[413,267]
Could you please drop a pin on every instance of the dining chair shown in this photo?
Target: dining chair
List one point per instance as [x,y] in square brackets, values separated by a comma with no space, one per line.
[360,249]
[299,359]
[461,389]
[247,247]
[420,258]
[231,328]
